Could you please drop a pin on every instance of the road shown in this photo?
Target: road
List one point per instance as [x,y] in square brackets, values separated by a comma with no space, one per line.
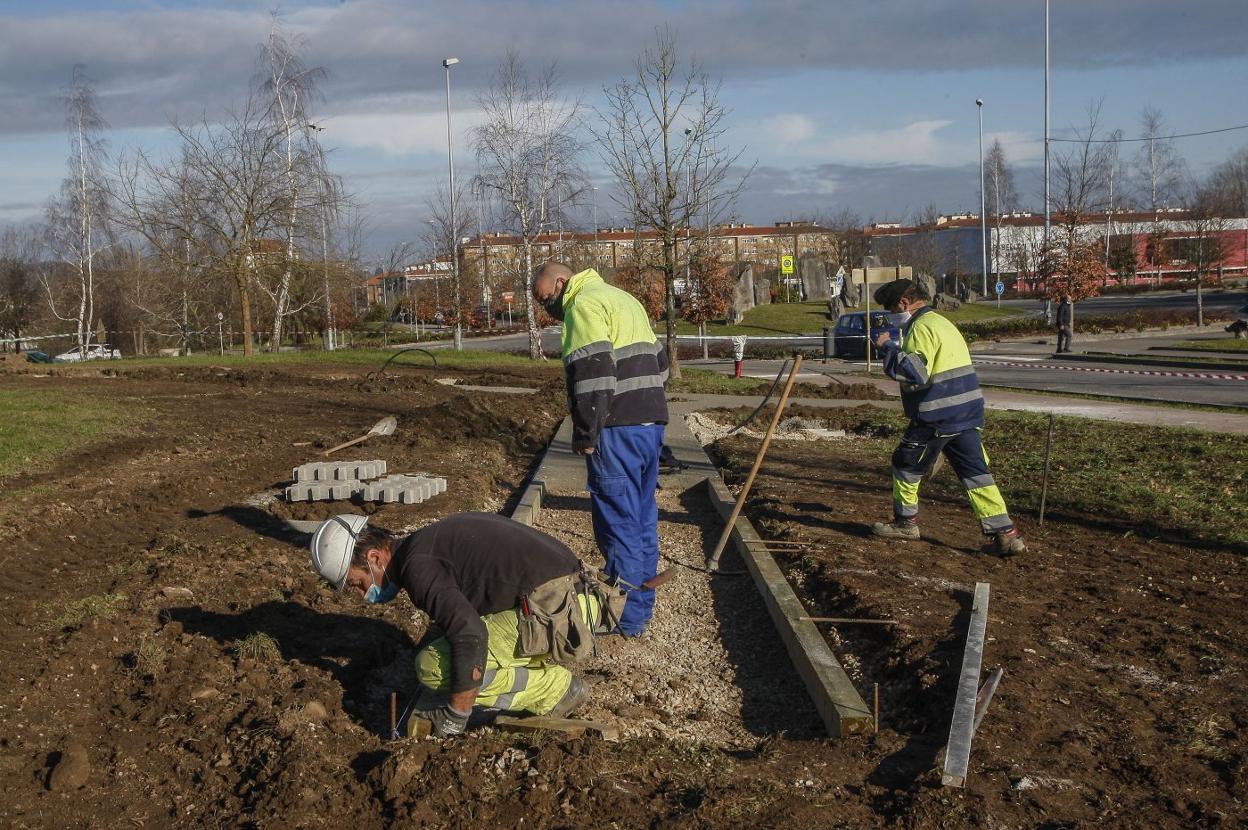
[1227,301]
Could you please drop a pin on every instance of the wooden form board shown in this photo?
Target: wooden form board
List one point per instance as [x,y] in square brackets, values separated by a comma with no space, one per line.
[962,730]
[568,726]
[839,705]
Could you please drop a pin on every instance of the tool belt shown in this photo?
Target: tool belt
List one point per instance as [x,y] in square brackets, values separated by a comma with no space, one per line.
[551,621]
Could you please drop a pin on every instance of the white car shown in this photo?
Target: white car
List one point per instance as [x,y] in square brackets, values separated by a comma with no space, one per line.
[96,351]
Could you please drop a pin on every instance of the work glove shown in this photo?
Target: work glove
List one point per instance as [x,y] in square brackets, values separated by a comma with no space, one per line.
[446,722]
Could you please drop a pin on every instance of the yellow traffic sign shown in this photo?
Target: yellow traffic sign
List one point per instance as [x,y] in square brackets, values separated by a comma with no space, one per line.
[786,265]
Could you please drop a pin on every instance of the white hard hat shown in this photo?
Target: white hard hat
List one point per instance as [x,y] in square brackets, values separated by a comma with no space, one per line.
[332,546]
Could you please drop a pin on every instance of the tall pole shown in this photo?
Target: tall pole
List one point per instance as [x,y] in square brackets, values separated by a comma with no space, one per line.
[454,229]
[983,206]
[595,195]
[1046,133]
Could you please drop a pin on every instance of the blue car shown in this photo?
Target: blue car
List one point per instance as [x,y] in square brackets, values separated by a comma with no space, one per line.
[850,335]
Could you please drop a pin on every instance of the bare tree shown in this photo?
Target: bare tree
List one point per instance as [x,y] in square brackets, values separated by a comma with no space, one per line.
[19,292]
[1205,247]
[1001,196]
[1073,265]
[291,86]
[1159,173]
[528,155]
[656,166]
[159,206]
[443,240]
[1228,187]
[1159,167]
[77,220]
[234,170]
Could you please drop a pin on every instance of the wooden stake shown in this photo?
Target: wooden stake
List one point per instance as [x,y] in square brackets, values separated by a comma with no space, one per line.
[1044,487]
[877,708]
[394,714]
[962,729]
[712,561]
[847,620]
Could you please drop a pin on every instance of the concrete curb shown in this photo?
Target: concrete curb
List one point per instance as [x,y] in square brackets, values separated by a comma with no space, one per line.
[529,508]
[840,706]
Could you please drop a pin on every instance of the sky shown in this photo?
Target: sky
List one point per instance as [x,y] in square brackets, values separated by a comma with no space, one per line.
[859,105]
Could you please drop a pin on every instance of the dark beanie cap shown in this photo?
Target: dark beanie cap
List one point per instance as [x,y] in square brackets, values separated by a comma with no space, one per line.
[889,294]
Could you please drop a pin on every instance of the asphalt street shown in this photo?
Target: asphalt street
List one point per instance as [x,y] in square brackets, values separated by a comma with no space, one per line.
[1229,301]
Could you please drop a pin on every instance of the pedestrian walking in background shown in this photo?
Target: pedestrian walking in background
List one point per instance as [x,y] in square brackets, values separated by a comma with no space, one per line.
[1065,324]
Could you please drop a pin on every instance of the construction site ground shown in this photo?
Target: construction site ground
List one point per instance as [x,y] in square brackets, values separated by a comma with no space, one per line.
[168,658]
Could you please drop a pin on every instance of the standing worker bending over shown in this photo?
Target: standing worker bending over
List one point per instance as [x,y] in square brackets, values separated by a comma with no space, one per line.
[616,370]
[941,397]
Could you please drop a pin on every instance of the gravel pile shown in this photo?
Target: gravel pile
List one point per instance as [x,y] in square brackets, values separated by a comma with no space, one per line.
[708,429]
[711,667]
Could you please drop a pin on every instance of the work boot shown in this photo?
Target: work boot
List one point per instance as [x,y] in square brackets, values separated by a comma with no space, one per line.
[899,529]
[571,700]
[1009,543]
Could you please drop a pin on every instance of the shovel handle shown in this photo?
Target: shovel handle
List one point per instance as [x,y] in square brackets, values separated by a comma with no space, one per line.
[350,443]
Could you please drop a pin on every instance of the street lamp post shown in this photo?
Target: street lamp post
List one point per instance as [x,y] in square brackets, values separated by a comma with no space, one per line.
[983,212]
[595,198]
[454,229]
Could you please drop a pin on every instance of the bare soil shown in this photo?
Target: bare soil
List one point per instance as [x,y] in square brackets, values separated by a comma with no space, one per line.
[167,658]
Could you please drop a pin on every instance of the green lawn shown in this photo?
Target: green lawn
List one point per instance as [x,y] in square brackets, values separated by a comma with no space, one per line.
[447,358]
[709,382]
[40,426]
[1138,478]
[1222,344]
[811,317]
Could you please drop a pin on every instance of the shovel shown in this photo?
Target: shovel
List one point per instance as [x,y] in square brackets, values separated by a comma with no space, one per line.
[386,426]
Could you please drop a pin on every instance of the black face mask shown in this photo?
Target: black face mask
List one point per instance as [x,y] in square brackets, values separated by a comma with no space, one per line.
[554,306]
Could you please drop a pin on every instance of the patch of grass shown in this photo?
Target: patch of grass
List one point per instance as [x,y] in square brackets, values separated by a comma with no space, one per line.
[972,312]
[39,426]
[811,317]
[77,612]
[1208,740]
[709,382]
[258,646]
[1164,480]
[149,657]
[1222,344]
[447,359]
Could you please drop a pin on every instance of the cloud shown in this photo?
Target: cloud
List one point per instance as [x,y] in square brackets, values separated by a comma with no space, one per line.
[792,128]
[153,61]
[395,132]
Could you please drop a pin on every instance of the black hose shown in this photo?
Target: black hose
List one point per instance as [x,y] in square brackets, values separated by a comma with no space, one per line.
[766,398]
[394,356]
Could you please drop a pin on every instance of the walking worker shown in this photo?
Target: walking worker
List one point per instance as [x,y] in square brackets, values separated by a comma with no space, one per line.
[511,602]
[616,370]
[940,395]
[1065,324]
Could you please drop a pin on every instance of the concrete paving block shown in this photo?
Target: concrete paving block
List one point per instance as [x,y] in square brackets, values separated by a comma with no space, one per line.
[404,489]
[339,471]
[323,490]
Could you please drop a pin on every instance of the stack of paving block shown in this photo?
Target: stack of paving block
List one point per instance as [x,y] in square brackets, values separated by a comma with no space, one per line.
[340,480]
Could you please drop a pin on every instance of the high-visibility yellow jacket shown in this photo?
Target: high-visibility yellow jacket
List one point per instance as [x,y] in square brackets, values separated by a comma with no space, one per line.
[616,368]
[939,386]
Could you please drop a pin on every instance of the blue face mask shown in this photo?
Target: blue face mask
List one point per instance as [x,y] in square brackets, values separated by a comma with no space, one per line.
[377,595]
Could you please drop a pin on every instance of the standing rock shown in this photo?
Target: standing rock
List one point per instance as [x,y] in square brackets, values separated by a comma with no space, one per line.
[72,770]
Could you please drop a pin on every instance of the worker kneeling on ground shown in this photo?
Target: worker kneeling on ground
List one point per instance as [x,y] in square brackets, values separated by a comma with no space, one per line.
[940,395]
[512,603]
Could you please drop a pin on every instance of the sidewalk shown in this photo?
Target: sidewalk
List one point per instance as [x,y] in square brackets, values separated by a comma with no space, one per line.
[1231,422]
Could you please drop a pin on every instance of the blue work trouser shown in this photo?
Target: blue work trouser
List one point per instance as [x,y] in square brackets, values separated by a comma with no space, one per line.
[916,455]
[623,472]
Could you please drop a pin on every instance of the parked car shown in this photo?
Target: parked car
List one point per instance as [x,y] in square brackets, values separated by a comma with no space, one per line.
[849,336]
[96,351]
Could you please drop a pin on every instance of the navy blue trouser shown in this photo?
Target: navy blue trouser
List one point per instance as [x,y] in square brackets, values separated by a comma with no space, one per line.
[623,473]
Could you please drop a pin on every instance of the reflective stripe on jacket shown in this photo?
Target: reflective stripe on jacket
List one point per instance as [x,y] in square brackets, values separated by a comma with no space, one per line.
[939,386]
[615,366]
